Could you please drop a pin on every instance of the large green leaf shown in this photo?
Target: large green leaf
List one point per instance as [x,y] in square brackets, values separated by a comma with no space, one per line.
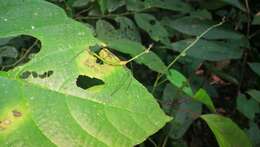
[53,110]
[175,5]
[195,26]
[227,133]
[209,50]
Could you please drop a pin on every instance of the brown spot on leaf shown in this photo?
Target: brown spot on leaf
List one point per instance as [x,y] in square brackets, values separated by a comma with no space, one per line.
[7,122]
[16,113]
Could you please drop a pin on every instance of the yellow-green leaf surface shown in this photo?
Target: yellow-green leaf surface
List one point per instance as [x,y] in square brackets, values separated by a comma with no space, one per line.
[53,111]
[180,81]
[202,96]
[227,133]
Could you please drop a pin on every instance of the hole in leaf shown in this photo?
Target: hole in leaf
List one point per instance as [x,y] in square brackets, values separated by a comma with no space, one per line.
[15,51]
[17,113]
[34,74]
[25,75]
[86,82]
[46,74]
[98,61]
[42,76]
[49,73]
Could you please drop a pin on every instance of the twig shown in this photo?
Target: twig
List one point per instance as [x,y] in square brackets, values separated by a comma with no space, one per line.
[254,34]
[22,58]
[83,11]
[154,144]
[248,17]
[139,55]
[165,141]
[184,51]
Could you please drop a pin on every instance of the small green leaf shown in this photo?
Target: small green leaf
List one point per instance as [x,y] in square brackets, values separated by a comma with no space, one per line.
[248,107]
[180,81]
[127,29]
[105,31]
[174,5]
[152,26]
[4,41]
[255,67]
[227,133]
[8,51]
[255,94]
[202,96]
[209,50]
[194,26]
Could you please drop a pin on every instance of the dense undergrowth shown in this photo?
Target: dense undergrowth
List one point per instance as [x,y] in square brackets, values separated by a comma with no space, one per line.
[218,74]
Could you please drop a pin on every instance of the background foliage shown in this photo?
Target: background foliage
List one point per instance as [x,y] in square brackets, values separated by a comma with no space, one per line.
[220,74]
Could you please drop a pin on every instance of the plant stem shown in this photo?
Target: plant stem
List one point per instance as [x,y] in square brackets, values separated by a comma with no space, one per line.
[184,51]
[22,58]
[141,54]
[165,141]
[154,144]
[248,17]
